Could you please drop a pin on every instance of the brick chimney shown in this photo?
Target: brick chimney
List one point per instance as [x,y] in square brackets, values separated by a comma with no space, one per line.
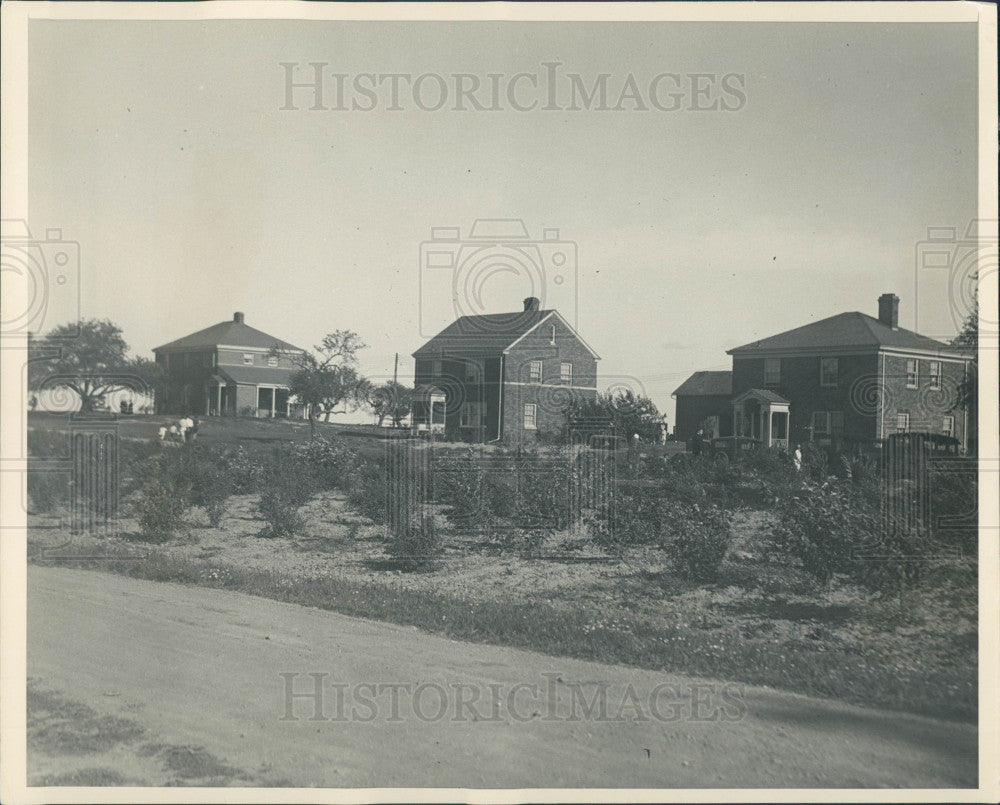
[888,310]
[238,317]
[532,303]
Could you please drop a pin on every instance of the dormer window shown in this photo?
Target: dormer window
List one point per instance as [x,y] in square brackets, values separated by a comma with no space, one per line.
[552,334]
[248,359]
[272,360]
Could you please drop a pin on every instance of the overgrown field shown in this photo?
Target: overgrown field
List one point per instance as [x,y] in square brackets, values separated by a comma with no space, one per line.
[747,571]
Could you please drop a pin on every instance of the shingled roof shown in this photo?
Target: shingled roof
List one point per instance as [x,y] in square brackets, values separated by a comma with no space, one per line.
[844,330]
[706,384]
[233,333]
[489,334]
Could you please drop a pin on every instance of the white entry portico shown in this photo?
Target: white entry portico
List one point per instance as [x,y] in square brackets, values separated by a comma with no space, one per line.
[763,415]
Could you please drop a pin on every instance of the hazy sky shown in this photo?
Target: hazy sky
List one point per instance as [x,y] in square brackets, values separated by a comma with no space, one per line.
[162,149]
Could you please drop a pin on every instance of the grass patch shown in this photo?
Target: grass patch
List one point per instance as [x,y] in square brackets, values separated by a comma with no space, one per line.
[712,648]
[60,726]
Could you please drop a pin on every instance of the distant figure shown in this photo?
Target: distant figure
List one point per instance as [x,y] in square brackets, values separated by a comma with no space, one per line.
[174,431]
[797,458]
[193,430]
[696,442]
[131,407]
[663,433]
[123,407]
[32,402]
[161,434]
[185,425]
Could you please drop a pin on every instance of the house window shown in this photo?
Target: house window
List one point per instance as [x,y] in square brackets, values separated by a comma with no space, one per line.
[829,369]
[535,372]
[566,373]
[912,374]
[530,422]
[935,374]
[471,371]
[821,422]
[948,426]
[772,371]
[247,359]
[552,334]
[469,417]
[272,360]
[902,422]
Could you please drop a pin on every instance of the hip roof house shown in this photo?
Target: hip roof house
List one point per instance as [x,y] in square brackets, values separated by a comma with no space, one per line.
[849,378]
[228,368]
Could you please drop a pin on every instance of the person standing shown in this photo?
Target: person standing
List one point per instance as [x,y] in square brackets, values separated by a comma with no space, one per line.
[797,458]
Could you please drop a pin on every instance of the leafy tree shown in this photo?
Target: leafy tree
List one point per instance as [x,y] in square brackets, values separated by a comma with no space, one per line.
[90,358]
[968,339]
[392,400]
[328,376]
[629,413]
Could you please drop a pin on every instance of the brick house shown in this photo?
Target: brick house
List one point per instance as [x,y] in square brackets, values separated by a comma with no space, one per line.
[704,401]
[228,369]
[848,379]
[502,376]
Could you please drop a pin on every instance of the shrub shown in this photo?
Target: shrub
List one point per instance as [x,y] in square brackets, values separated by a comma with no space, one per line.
[815,463]
[160,508]
[286,485]
[329,461]
[697,538]
[46,490]
[245,470]
[954,505]
[413,540]
[828,527]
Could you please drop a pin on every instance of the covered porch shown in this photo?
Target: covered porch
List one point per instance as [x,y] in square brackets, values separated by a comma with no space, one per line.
[429,407]
[762,415]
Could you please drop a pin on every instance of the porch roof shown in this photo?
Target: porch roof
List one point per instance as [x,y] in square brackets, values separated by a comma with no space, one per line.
[762,395]
[253,375]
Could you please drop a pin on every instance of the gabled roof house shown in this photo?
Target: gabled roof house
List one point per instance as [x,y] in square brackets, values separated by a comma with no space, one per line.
[503,375]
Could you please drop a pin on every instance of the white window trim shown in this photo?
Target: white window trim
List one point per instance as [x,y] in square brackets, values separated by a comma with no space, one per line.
[245,361]
[906,428]
[531,371]
[946,428]
[534,416]
[564,375]
[935,378]
[916,373]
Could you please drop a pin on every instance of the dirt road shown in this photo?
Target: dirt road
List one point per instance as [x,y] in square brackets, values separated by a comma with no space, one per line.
[232,676]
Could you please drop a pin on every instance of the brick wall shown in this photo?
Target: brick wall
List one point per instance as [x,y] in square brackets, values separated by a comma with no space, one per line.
[800,385]
[692,410]
[927,407]
[234,357]
[552,395]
